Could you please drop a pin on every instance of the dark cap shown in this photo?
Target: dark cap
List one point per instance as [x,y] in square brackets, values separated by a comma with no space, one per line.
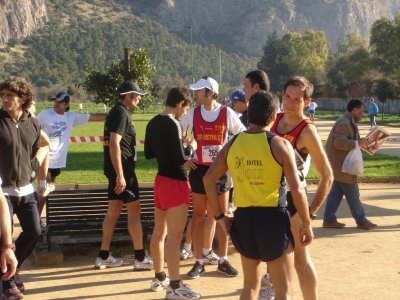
[61,97]
[128,87]
[238,96]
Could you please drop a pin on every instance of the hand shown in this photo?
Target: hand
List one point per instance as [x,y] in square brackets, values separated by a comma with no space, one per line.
[226,224]
[120,185]
[8,257]
[192,143]
[191,164]
[306,235]
[363,142]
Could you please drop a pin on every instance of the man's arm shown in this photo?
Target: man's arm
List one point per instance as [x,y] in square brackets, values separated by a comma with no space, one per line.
[283,152]
[217,169]
[97,117]
[115,154]
[310,140]
[7,255]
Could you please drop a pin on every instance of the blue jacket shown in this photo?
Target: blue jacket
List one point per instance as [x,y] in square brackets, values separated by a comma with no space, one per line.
[373,109]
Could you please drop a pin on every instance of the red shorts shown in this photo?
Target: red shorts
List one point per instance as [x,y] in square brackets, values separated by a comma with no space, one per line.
[170,193]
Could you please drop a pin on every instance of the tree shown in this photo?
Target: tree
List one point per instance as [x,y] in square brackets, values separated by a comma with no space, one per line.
[385,90]
[104,85]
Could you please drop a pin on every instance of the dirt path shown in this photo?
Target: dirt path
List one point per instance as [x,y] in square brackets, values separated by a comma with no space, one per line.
[351,264]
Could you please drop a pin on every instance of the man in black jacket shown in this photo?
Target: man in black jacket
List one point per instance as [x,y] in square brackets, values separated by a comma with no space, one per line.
[19,142]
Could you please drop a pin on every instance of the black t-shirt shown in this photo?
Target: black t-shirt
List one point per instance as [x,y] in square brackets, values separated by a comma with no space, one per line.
[163,141]
[119,121]
[244,119]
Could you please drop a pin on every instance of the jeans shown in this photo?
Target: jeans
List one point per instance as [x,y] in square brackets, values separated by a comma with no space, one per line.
[335,197]
[26,209]
[372,120]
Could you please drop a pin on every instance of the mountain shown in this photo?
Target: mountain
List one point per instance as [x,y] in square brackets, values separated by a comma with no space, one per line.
[246,24]
[19,18]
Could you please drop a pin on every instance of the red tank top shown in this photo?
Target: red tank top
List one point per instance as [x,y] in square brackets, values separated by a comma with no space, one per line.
[292,135]
[210,136]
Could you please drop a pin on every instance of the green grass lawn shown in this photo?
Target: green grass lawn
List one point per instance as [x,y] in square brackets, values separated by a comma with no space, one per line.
[85,160]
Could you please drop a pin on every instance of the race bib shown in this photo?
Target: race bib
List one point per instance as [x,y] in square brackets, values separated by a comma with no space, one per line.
[210,153]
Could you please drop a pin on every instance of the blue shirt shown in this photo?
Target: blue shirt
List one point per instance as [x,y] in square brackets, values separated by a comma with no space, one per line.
[372,109]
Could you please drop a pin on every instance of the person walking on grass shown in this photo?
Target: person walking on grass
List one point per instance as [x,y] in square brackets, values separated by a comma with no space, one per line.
[164,141]
[372,112]
[119,167]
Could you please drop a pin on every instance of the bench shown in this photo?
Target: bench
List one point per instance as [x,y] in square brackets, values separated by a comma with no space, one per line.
[77,215]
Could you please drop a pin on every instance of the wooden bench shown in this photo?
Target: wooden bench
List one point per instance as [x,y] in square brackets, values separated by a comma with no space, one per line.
[77,215]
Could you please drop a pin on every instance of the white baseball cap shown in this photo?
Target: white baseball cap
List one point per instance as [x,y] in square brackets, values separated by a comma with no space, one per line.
[205,82]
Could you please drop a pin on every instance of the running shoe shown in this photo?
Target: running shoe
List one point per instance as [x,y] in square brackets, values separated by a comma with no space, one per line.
[110,262]
[211,258]
[12,293]
[44,192]
[183,292]
[51,186]
[146,264]
[196,271]
[265,282]
[18,282]
[227,269]
[186,254]
[267,294]
[157,285]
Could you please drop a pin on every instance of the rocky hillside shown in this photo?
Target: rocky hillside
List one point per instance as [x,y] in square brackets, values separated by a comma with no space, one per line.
[18,18]
[246,24]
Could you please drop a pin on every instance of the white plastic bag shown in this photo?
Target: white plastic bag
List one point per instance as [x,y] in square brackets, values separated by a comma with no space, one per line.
[353,163]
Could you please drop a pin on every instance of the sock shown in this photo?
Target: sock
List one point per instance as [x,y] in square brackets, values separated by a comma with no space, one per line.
[161,276]
[139,254]
[222,259]
[206,251]
[42,184]
[187,247]
[104,254]
[200,261]
[175,284]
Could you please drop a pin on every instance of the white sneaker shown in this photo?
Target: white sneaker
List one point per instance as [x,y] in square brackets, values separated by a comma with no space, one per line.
[51,186]
[186,254]
[266,288]
[265,282]
[183,292]
[44,192]
[157,285]
[110,262]
[146,264]
[211,258]
[230,208]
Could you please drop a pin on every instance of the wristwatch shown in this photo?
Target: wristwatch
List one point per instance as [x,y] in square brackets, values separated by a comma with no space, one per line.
[219,217]
[8,246]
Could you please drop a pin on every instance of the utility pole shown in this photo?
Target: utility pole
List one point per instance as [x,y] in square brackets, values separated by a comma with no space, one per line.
[191,44]
[127,63]
[220,67]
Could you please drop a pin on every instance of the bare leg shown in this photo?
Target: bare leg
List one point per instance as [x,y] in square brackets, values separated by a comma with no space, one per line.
[252,272]
[305,269]
[157,239]
[188,239]
[43,157]
[112,215]
[199,210]
[209,229]
[281,270]
[222,236]
[134,224]
[176,220]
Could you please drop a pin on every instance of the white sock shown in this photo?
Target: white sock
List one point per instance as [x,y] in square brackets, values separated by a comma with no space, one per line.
[222,259]
[206,251]
[187,247]
[42,184]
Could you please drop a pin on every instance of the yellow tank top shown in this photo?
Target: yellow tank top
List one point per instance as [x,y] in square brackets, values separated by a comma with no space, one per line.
[257,177]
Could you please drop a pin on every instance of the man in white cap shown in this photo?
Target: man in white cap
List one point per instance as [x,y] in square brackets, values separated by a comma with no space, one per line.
[209,123]
[119,167]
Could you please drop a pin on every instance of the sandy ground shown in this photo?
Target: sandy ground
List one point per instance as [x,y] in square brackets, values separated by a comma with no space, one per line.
[351,263]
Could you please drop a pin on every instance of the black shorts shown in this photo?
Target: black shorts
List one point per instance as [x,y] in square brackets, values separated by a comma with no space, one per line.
[131,192]
[290,204]
[261,232]
[54,172]
[197,185]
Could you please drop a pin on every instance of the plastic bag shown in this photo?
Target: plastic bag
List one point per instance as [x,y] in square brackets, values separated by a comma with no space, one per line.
[353,163]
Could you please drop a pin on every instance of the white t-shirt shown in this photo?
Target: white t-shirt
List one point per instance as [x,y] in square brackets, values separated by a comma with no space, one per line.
[234,125]
[313,105]
[59,128]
